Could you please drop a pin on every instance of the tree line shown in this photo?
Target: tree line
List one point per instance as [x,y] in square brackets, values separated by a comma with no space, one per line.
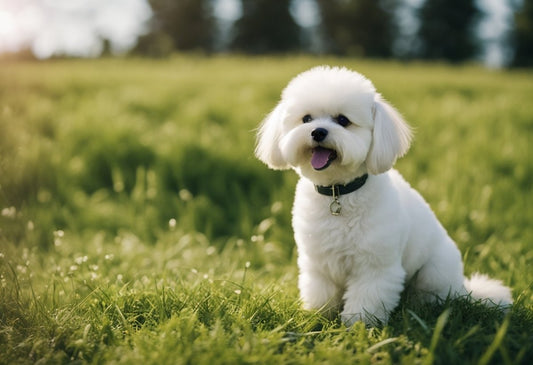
[364,28]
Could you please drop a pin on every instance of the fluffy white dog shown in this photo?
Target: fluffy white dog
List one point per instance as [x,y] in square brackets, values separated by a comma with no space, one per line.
[361,231]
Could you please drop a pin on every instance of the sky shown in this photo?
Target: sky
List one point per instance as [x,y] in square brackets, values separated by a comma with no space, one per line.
[77,27]
[73,27]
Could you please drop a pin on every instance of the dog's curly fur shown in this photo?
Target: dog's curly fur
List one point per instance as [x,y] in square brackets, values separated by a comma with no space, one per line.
[358,262]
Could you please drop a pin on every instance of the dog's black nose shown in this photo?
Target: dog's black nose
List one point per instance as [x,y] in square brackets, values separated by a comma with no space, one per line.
[319,134]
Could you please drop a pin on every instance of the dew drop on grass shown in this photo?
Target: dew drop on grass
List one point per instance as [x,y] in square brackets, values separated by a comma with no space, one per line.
[276,207]
[257,238]
[265,225]
[172,223]
[185,195]
[10,212]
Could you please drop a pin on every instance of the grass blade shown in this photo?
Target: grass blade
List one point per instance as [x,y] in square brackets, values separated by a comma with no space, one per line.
[487,356]
[441,323]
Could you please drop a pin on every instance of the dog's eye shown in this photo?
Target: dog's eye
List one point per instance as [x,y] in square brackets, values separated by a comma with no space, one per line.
[342,120]
[307,118]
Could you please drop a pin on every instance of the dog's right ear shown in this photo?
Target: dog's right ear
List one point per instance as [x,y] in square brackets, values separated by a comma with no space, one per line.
[268,138]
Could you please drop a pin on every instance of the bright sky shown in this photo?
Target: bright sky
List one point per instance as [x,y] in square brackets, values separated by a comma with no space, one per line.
[76,27]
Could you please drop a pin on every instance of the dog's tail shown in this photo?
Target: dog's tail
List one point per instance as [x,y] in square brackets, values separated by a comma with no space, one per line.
[490,291]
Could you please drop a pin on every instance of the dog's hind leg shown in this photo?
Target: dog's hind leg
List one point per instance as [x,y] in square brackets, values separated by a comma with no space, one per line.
[442,275]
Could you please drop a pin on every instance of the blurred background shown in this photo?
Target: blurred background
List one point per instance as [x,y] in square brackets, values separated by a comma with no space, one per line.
[497,33]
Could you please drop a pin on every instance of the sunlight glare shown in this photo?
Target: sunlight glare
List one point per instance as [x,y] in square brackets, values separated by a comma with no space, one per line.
[75,28]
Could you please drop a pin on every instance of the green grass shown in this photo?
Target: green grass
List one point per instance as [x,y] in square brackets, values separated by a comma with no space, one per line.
[136,225]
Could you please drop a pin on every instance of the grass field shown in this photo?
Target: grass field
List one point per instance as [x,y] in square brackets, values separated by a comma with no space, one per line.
[137,227]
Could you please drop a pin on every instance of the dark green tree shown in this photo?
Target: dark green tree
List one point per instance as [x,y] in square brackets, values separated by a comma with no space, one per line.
[189,24]
[523,35]
[359,27]
[447,30]
[265,26]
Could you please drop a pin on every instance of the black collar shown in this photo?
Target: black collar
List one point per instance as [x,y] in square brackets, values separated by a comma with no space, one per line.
[336,190]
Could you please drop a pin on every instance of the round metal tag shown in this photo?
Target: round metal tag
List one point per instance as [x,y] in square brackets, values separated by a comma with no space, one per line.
[335,207]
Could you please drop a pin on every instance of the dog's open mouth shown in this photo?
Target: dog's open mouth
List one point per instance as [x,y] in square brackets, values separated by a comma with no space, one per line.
[322,157]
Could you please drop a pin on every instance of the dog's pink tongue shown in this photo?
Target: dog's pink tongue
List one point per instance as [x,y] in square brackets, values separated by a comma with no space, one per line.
[320,157]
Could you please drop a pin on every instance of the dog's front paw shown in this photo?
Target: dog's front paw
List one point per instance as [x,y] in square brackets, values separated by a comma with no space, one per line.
[350,318]
[369,317]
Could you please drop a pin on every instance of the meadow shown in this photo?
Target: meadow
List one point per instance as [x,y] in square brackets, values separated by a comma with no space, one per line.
[137,226]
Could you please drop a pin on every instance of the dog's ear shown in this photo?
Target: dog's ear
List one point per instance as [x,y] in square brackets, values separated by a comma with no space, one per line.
[391,137]
[268,138]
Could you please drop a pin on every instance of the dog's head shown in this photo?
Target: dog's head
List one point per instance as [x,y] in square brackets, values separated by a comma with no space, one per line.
[332,126]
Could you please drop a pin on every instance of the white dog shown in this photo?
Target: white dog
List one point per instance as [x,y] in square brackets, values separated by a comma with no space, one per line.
[361,231]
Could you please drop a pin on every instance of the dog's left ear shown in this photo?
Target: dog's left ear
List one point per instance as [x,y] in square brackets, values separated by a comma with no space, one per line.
[391,137]
[268,138]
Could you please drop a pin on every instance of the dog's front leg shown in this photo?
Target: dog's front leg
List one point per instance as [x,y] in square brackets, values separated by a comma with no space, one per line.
[319,293]
[372,294]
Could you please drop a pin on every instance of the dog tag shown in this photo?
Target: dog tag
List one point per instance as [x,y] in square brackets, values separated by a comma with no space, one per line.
[335,207]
